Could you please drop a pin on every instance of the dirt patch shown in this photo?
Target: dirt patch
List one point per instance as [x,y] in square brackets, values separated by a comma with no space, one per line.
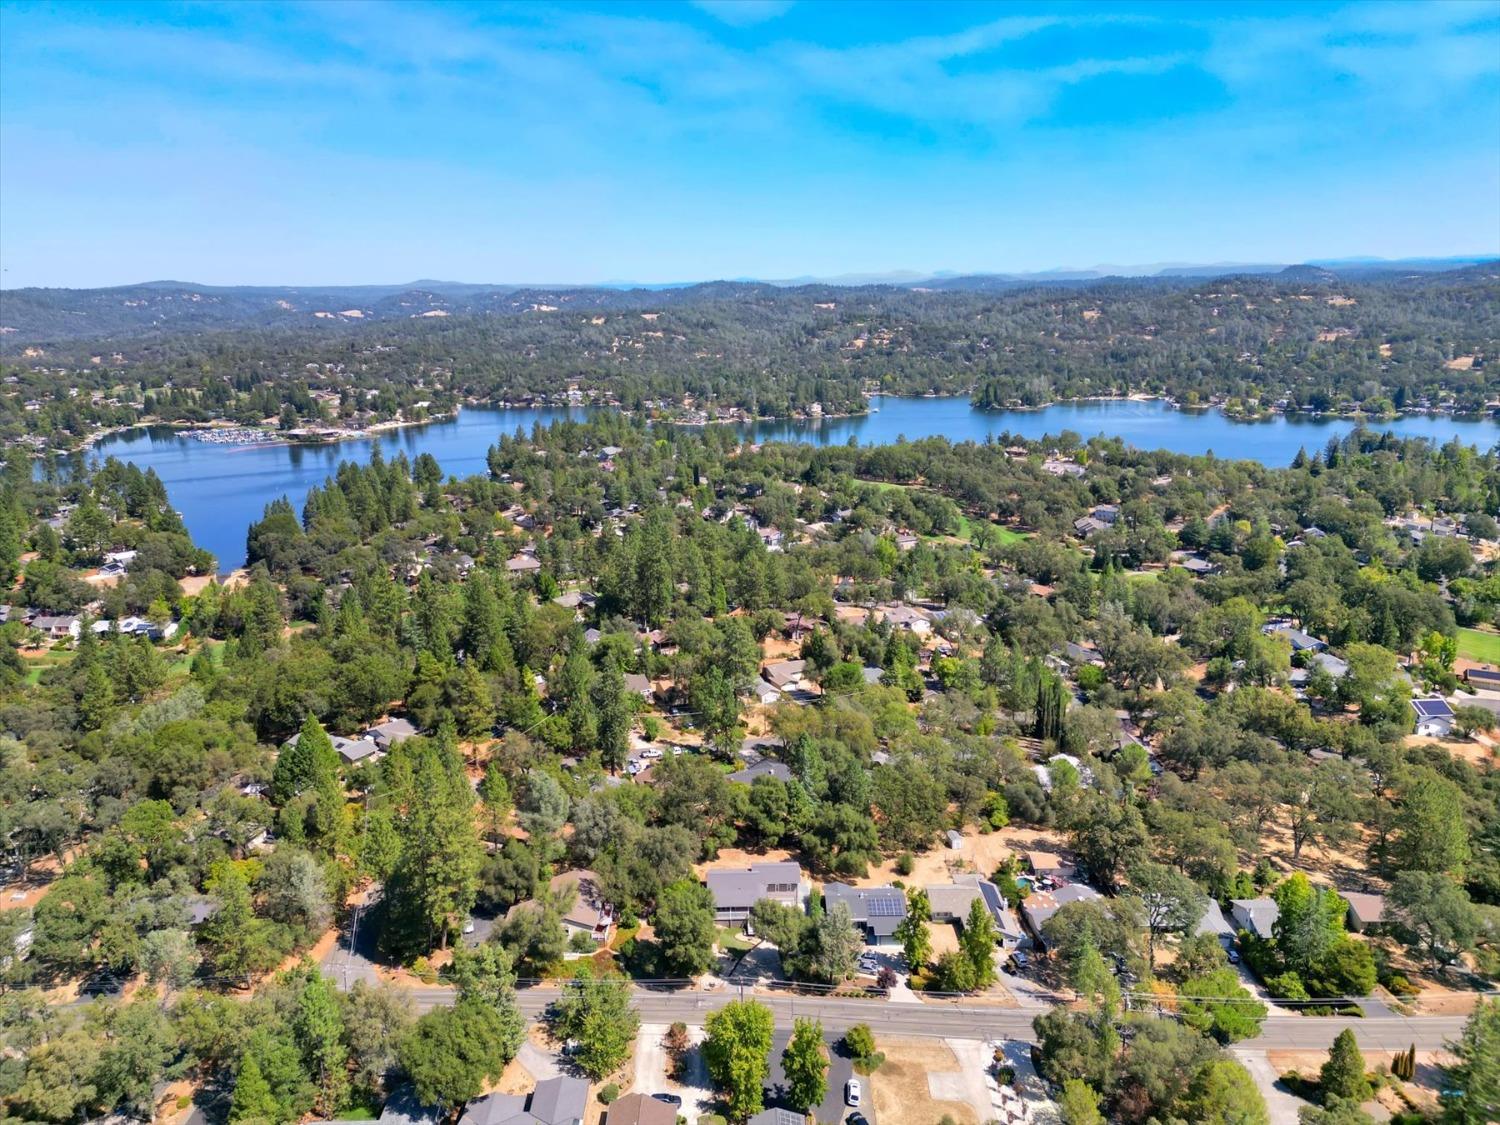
[739,857]
[981,853]
[1460,363]
[901,1088]
[944,938]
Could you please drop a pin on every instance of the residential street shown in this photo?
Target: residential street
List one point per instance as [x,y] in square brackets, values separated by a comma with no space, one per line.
[1280,1032]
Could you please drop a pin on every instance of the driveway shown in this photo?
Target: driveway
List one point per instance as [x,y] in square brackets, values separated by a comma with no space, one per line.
[353,957]
[1282,1106]
[840,1070]
[760,963]
[651,1071]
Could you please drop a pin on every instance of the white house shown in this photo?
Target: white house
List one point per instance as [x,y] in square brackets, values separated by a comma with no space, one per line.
[1434,717]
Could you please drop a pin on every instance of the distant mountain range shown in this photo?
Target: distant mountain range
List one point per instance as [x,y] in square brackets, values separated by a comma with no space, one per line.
[39,315]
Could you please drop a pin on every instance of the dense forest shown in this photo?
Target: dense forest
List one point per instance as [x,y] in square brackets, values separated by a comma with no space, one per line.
[1306,340]
[179,798]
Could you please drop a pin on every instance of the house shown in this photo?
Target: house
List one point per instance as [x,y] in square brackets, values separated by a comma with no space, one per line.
[1434,716]
[951,902]
[764,693]
[589,914]
[1365,910]
[1254,915]
[905,541]
[638,684]
[356,750]
[640,1109]
[1057,467]
[1197,564]
[1106,513]
[402,1108]
[1088,525]
[736,889]
[1300,641]
[575,599]
[1048,865]
[784,674]
[555,1101]
[351,750]
[387,734]
[1041,905]
[777,1116]
[57,628]
[1487,678]
[906,617]
[143,627]
[1331,664]
[523,564]
[1213,922]
[1077,654]
[875,910]
[764,767]
[872,674]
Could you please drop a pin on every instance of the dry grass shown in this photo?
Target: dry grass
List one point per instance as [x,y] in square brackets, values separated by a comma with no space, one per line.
[900,1087]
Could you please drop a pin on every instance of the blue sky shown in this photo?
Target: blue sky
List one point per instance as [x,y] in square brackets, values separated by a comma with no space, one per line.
[348,142]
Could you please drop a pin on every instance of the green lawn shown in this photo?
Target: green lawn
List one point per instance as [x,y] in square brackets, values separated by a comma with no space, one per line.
[733,939]
[1474,644]
[36,665]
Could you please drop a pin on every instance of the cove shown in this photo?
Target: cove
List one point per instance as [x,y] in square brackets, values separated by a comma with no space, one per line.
[221,490]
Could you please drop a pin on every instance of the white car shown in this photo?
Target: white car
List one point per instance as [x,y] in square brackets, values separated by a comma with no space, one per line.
[651,752]
[853,1092]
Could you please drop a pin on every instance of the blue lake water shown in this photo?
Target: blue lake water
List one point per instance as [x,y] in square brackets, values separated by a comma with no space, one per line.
[220,490]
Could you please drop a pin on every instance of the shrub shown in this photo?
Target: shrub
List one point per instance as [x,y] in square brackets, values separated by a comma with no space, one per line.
[905,864]
[422,969]
[1398,985]
[609,1094]
[1287,986]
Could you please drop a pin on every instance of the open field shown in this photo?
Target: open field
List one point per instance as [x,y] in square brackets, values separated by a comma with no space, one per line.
[1476,644]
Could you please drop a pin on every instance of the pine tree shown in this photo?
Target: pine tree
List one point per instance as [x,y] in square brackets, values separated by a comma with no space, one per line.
[253,1101]
[319,1027]
[1343,1075]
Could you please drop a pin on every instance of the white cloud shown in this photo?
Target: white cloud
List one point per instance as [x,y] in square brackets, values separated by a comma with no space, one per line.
[743,13]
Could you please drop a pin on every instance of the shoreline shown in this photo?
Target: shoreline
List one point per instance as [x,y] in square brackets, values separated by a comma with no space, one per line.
[378,428]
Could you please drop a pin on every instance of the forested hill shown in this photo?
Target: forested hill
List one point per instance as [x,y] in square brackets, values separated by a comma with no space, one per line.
[1305,339]
[34,315]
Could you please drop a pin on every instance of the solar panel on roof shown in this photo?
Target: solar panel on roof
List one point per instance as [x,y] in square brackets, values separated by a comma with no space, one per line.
[886,908]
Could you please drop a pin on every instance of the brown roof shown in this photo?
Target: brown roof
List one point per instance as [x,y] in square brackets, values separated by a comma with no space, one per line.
[638,1109]
[589,910]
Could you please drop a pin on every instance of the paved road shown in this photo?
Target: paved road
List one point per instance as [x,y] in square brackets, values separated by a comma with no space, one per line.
[970,1021]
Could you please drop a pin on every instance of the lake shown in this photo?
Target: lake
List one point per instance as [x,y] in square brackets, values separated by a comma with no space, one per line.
[221,490]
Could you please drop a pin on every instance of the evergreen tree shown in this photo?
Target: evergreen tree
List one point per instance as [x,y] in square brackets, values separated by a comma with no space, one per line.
[1343,1075]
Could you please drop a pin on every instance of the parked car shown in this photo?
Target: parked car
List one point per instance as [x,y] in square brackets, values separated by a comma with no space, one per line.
[868,963]
[853,1092]
[670,1099]
[651,752]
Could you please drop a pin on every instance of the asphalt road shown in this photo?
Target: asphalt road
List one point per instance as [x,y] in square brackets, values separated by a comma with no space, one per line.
[969,1021]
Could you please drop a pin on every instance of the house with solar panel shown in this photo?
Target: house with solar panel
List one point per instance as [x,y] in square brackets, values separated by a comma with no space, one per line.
[1434,716]
[876,911]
